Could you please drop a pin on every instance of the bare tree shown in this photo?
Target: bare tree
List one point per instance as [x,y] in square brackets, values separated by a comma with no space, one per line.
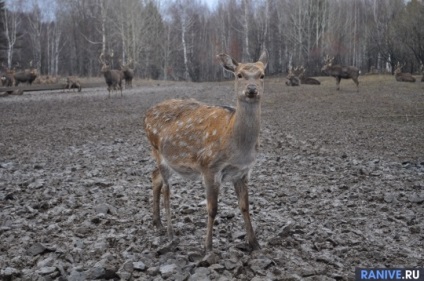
[34,32]
[12,24]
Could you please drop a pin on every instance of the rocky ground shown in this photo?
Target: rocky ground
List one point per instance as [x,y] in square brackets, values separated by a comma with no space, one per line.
[339,184]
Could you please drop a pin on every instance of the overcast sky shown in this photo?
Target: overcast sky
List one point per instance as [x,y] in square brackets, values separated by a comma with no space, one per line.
[211,3]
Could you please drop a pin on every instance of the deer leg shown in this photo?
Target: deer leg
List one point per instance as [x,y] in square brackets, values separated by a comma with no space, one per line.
[357,83]
[159,185]
[157,188]
[338,82]
[212,191]
[165,174]
[242,192]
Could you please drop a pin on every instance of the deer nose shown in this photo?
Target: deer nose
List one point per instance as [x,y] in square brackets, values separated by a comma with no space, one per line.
[251,91]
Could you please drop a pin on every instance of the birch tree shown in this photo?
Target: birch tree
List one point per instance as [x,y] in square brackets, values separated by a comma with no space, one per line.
[12,21]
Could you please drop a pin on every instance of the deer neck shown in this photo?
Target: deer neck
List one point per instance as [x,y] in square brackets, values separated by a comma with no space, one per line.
[246,126]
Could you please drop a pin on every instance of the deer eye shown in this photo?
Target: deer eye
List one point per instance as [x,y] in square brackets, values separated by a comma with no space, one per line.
[239,75]
[262,76]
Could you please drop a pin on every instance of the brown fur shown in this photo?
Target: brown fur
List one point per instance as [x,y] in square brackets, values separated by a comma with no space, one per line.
[341,72]
[73,82]
[27,75]
[403,77]
[214,143]
[292,78]
[113,77]
[128,74]
[306,80]
[8,78]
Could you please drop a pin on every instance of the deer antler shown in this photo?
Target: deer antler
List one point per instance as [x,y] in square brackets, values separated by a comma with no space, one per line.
[398,66]
[328,59]
[101,58]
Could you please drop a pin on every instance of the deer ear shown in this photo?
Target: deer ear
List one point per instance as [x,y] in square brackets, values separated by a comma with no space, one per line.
[227,62]
[264,58]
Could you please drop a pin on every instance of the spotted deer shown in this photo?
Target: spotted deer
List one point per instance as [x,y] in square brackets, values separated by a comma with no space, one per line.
[215,143]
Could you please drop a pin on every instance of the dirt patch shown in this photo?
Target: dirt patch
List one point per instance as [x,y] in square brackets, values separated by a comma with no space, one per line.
[338,184]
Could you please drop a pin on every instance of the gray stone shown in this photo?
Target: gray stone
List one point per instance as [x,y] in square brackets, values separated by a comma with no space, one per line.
[200,273]
[95,272]
[9,272]
[36,249]
[168,270]
[139,265]
[76,276]
[46,270]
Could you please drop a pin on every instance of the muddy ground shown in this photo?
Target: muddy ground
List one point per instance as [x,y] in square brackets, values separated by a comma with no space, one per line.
[338,184]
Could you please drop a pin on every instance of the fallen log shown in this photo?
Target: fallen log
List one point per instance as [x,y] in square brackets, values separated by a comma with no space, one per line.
[48,87]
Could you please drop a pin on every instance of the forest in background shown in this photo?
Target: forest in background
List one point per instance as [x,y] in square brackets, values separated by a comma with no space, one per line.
[178,40]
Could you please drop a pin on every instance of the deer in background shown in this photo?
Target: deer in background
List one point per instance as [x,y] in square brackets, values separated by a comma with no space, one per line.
[8,78]
[113,77]
[403,77]
[292,77]
[128,73]
[340,72]
[215,143]
[73,82]
[300,72]
[26,76]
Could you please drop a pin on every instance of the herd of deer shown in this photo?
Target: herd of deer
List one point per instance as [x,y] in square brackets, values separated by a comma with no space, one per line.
[114,77]
[216,144]
[296,76]
[11,77]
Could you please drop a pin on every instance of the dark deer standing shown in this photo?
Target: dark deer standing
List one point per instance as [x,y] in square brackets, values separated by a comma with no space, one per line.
[26,76]
[403,77]
[113,77]
[304,79]
[214,143]
[340,72]
[128,73]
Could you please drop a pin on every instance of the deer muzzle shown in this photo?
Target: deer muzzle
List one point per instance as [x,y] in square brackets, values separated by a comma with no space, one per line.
[251,91]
